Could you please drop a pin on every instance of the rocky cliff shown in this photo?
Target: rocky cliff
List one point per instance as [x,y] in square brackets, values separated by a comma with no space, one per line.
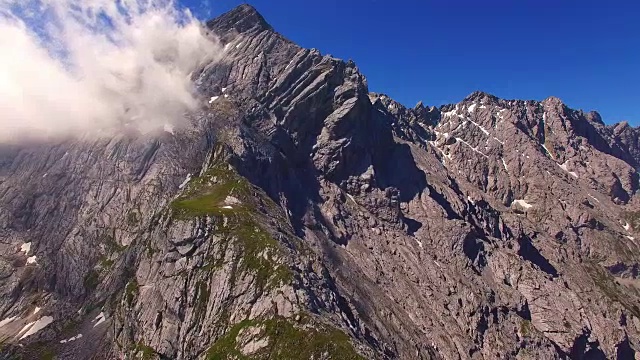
[298,216]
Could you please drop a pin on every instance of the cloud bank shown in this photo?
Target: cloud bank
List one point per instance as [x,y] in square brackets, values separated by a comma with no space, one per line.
[88,66]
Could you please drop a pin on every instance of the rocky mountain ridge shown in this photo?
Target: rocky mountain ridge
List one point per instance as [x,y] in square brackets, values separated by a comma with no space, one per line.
[298,215]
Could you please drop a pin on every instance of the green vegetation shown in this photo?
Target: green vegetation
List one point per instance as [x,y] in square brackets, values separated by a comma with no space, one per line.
[133,218]
[205,194]
[131,291]
[202,298]
[525,328]
[607,284]
[144,352]
[257,251]
[48,354]
[91,280]
[633,218]
[106,262]
[286,340]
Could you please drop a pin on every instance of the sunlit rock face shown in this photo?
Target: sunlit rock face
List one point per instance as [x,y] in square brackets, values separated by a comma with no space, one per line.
[294,214]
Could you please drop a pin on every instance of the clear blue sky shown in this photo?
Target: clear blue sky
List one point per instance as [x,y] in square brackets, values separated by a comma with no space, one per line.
[585,52]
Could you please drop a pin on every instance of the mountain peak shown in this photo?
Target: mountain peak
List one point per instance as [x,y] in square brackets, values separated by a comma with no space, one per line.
[480,95]
[243,18]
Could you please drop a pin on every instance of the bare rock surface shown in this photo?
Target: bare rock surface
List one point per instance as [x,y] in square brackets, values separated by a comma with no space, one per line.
[298,215]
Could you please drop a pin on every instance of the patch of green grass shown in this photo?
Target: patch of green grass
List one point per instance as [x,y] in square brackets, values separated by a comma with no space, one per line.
[131,291]
[133,218]
[48,354]
[633,218]
[286,340]
[525,327]
[258,252]
[106,262]
[144,352]
[202,298]
[205,194]
[607,284]
[91,280]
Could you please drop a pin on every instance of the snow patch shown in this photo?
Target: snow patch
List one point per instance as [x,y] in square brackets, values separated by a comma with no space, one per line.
[630,237]
[504,163]
[469,199]
[36,310]
[481,128]
[450,113]
[626,226]
[185,182]
[564,167]
[448,156]
[33,327]
[471,108]
[100,319]
[522,203]
[472,148]
[240,43]
[547,150]
[419,243]
[591,196]
[169,128]
[213,98]
[230,200]
[25,248]
[227,207]
[482,107]
[224,89]
[7,320]
[31,260]
[79,336]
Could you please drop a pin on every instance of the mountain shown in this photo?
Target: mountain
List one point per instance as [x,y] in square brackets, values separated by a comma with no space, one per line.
[296,215]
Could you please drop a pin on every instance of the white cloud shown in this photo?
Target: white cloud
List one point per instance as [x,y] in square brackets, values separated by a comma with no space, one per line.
[83,66]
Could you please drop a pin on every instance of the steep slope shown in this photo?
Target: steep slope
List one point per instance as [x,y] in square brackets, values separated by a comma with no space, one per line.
[296,215]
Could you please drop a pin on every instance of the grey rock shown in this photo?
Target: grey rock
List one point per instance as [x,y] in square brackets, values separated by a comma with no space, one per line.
[323,215]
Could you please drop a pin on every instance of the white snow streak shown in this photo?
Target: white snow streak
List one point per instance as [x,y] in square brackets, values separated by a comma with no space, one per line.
[100,319]
[34,327]
[31,260]
[504,163]
[25,248]
[564,167]
[471,108]
[547,150]
[472,148]
[522,203]
[185,182]
[213,98]
[168,128]
[79,336]
[480,126]
[450,113]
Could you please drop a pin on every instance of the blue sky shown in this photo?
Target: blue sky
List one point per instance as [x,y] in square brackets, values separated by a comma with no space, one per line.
[585,52]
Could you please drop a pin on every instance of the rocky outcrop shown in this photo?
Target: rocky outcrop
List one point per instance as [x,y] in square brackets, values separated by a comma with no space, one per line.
[297,215]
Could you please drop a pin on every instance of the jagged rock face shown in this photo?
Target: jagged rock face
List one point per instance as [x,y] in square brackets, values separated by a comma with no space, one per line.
[296,215]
